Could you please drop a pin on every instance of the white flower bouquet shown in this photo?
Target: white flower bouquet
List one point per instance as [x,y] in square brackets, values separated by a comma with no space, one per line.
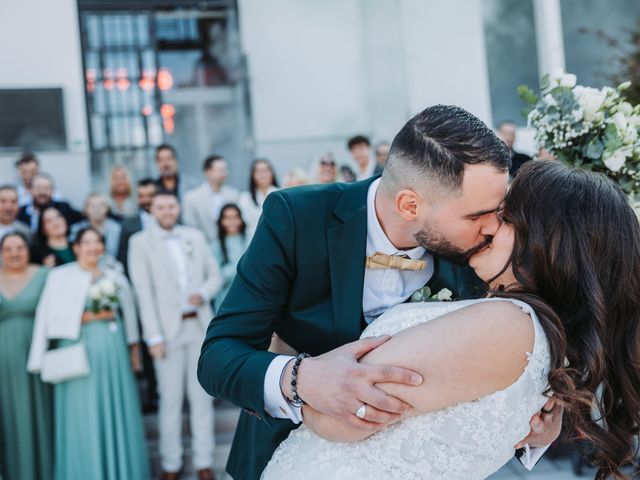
[103,295]
[593,129]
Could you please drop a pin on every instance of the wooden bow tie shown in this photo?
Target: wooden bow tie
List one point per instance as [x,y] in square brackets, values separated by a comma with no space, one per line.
[382,260]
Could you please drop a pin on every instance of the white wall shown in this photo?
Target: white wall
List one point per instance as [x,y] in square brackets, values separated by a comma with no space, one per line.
[445,55]
[40,48]
[321,72]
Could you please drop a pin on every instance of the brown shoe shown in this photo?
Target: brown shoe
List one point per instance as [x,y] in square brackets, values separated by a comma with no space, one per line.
[170,476]
[206,474]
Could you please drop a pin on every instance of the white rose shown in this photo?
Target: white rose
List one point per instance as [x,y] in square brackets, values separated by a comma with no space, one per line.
[616,161]
[95,292]
[108,287]
[634,121]
[626,108]
[444,294]
[591,100]
[621,122]
[549,100]
[558,78]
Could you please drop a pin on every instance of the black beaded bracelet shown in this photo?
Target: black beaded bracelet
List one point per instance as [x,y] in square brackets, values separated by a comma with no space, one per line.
[297,401]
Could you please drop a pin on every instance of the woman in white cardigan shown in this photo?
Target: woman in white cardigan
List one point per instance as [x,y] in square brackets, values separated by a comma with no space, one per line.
[79,344]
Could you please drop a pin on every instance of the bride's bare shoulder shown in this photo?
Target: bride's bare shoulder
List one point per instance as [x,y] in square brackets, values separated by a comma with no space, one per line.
[463,355]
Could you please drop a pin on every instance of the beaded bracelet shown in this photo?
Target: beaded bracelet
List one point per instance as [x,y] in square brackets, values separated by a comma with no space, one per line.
[297,401]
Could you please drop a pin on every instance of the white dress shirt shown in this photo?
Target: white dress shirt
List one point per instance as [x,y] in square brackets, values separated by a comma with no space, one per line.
[172,242]
[382,290]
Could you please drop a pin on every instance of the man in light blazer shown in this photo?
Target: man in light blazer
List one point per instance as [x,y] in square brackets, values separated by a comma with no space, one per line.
[175,277]
[202,205]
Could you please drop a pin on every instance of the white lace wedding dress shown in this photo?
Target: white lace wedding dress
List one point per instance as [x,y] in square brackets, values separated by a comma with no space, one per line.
[467,441]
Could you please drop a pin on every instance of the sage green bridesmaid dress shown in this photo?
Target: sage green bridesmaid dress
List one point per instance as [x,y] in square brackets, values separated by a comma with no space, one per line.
[26,416]
[99,429]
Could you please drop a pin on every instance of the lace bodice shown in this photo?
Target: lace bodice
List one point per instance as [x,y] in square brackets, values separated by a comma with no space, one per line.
[466,441]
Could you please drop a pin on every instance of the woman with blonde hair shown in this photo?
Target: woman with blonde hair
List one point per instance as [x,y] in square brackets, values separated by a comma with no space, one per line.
[96,212]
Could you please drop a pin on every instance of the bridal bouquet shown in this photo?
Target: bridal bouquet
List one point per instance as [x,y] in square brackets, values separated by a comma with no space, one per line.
[103,295]
[587,127]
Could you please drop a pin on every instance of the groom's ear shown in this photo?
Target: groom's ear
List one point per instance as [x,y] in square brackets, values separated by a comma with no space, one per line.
[409,204]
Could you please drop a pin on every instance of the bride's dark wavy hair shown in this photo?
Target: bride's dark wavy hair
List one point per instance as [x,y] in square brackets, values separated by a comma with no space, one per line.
[576,257]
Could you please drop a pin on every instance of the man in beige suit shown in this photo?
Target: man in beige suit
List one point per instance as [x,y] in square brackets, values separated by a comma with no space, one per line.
[175,277]
[202,205]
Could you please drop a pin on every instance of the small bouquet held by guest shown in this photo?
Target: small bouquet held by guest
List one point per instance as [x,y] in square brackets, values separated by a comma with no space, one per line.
[594,129]
[103,295]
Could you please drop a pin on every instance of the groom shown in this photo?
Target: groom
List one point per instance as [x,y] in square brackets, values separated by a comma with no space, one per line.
[310,276]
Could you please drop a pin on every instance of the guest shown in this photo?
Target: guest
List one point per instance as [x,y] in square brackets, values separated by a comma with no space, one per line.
[26,415]
[146,378]
[96,211]
[382,154]
[231,244]
[146,191]
[9,212]
[202,204]
[262,181]
[170,179]
[28,167]
[325,171]
[507,133]
[42,192]
[120,202]
[51,246]
[347,173]
[98,426]
[296,177]
[175,278]
[360,149]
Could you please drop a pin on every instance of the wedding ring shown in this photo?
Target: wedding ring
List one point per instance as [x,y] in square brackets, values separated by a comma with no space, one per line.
[362,411]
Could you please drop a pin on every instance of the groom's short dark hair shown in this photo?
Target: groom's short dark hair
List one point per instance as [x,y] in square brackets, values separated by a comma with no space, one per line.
[439,142]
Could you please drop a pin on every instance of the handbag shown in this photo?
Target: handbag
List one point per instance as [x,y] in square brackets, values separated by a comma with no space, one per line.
[65,363]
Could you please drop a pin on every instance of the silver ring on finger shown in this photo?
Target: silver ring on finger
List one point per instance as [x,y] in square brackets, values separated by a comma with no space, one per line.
[362,411]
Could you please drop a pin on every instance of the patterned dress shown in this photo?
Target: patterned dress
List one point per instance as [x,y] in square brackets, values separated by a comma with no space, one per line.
[467,441]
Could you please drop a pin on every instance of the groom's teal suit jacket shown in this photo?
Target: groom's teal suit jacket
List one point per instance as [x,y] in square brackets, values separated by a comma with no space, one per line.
[302,277]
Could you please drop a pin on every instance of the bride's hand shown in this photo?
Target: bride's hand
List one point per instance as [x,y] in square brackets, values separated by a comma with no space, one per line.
[545,426]
[337,385]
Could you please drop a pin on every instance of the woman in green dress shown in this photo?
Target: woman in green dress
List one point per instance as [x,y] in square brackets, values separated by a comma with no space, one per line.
[99,431]
[51,246]
[26,416]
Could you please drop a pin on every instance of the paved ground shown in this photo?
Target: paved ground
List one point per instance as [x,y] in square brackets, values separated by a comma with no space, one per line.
[227,417]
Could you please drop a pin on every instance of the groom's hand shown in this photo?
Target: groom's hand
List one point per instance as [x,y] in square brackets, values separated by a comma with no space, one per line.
[337,385]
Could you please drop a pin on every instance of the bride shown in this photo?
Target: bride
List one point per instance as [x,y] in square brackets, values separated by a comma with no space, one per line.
[563,319]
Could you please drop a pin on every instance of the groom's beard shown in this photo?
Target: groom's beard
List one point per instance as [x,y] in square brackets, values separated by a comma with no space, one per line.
[435,242]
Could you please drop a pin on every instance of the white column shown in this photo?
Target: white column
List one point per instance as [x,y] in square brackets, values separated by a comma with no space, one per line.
[549,39]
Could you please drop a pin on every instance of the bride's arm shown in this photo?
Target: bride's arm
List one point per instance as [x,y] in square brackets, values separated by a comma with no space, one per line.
[464,355]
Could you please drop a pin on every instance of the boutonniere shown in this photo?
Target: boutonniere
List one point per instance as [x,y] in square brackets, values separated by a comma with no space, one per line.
[424,294]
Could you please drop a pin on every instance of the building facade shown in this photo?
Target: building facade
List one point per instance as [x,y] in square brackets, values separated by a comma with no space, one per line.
[283,79]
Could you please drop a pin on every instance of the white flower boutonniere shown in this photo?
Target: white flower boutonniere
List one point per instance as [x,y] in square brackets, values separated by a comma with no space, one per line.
[424,294]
